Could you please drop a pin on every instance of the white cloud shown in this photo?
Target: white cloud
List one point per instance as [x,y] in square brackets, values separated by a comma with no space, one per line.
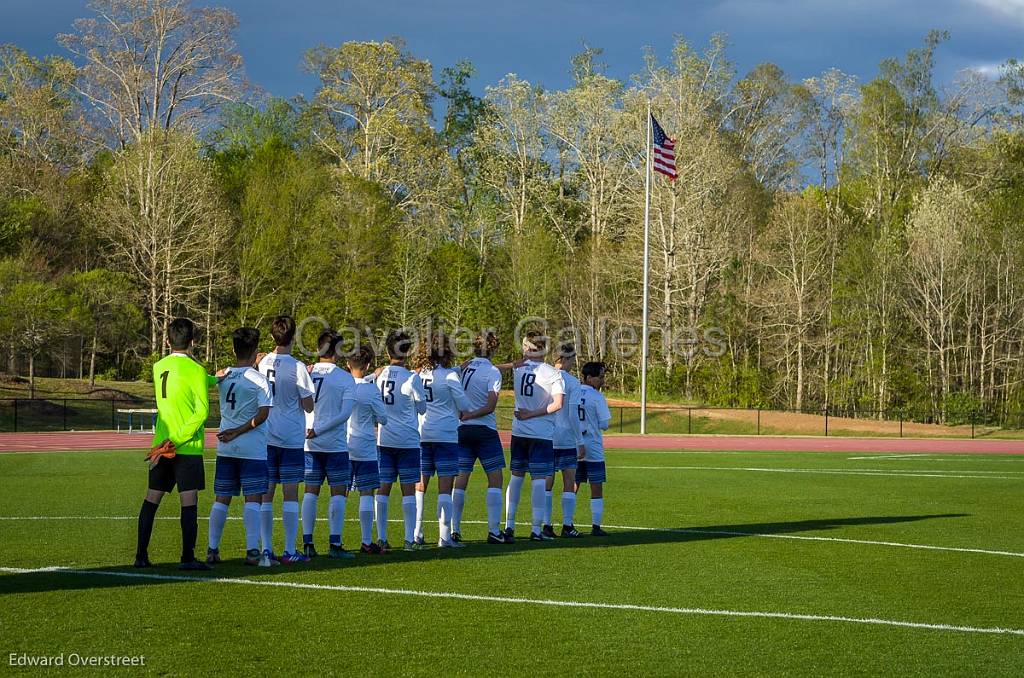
[1013,9]
[990,70]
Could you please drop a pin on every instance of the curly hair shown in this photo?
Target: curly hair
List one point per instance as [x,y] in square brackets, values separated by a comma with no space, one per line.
[434,350]
[485,344]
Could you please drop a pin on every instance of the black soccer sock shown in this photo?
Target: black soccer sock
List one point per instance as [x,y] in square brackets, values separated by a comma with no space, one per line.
[147,515]
[189,531]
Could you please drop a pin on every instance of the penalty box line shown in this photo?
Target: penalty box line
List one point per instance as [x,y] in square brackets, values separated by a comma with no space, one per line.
[452,595]
[671,530]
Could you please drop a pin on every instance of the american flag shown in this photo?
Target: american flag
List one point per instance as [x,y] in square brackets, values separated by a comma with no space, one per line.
[664,156]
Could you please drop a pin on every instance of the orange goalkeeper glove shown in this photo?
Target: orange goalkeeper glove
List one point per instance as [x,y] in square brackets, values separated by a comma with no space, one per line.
[164,450]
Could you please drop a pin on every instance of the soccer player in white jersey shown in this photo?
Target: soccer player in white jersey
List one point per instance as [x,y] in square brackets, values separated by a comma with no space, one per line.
[439,431]
[539,390]
[478,437]
[293,393]
[568,444]
[367,412]
[327,446]
[245,403]
[595,417]
[398,441]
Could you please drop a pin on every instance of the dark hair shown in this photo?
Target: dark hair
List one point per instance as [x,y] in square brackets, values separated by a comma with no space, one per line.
[566,350]
[245,341]
[327,343]
[180,333]
[398,345]
[435,349]
[485,344]
[362,356]
[283,330]
[592,370]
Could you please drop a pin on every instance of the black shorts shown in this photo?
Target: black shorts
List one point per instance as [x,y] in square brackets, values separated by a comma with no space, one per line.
[184,470]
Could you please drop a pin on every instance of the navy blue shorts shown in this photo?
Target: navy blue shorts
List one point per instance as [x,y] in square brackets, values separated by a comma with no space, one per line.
[399,463]
[440,458]
[483,443]
[365,475]
[285,465]
[590,472]
[333,466]
[534,455]
[565,459]
[234,476]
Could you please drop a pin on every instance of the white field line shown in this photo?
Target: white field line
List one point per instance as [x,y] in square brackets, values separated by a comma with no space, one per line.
[452,595]
[670,530]
[839,472]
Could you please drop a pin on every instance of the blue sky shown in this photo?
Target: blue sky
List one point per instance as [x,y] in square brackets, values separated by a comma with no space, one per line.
[535,39]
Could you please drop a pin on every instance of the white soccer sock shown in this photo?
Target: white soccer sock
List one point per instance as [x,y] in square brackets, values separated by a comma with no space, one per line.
[548,500]
[596,510]
[267,525]
[493,509]
[251,518]
[409,513]
[218,516]
[290,514]
[458,505]
[382,517]
[308,516]
[515,488]
[419,513]
[366,518]
[336,518]
[568,508]
[537,503]
[444,517]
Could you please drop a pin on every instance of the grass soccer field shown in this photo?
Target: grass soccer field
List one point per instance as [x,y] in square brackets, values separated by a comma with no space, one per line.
[718,563]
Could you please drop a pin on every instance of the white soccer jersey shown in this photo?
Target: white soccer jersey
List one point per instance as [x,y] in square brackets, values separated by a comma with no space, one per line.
[536,384]
[595,417]
[289,383]
[334,389]
[367,412]
[243,391]
[480,378]
[568,433]
[403,396]
[445,398]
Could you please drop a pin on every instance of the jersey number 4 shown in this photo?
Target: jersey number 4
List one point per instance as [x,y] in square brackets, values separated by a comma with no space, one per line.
[526,386]
[230,397]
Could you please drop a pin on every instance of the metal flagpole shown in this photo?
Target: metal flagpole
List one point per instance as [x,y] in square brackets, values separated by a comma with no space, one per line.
[647,254]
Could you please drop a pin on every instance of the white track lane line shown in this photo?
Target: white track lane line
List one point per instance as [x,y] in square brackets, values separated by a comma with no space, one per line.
[451,595]
[838,472]
[671,530]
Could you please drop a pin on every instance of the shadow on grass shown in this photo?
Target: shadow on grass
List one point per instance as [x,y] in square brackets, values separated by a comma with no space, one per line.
[101,577]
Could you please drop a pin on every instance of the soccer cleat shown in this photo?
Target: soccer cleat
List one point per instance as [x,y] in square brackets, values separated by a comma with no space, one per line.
[194,566]
[268,559]
[212,556]
[384,546]
[142,561]
[510,535]
[412,546]
[457,537]
[338,552]
[420,541]
[570,531]
[370,549]
[449,544]
[309,551]
[596,531]
[539,536]
[293,558]
[252,557]
[548,531]
[498,538]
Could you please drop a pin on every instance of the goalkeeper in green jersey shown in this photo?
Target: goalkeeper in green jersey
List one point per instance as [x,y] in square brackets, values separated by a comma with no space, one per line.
[182,401]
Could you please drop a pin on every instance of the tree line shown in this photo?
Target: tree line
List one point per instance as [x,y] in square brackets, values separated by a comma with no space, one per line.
[854,245]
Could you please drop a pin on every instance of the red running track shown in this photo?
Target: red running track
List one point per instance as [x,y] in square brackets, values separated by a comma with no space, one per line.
[109,440]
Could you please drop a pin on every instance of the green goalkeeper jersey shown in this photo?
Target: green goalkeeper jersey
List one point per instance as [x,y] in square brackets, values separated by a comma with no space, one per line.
[182,402]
